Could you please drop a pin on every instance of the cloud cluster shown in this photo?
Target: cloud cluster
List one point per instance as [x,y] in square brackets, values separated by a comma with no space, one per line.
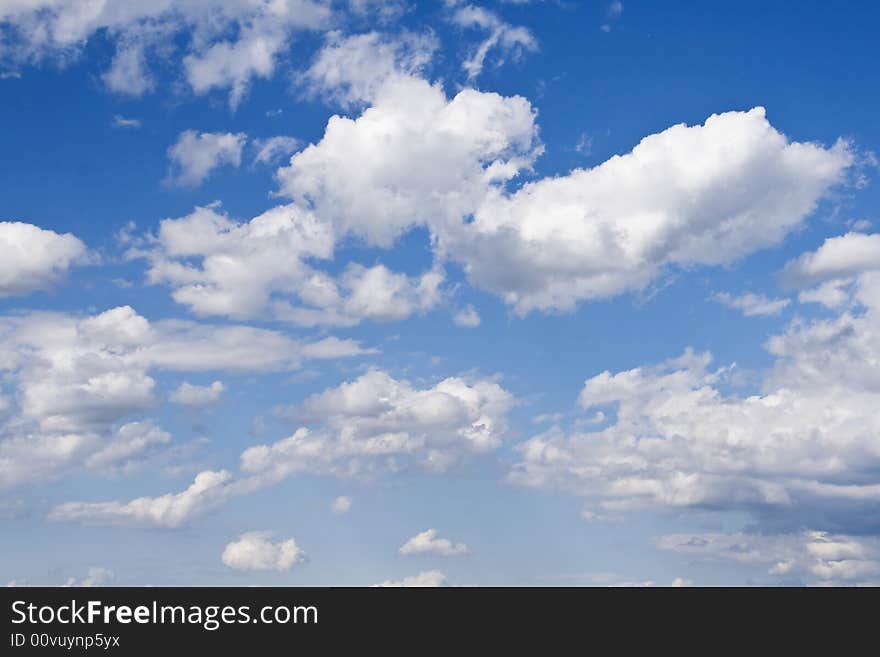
[701,195]
[688,196]
[371,425]
[272,149]
[691,195]
[208,491]
[802,451]
[266,267]
[815,556]
[32,258]
[225,43]
[832,273]
[96,576]
[77,379]
[467,317]
[255,551]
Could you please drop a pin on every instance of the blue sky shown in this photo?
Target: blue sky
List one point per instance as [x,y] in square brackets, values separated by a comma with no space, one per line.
[288,286]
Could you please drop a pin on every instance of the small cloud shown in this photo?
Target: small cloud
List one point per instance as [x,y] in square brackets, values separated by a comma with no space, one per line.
[428,578]
[274,149]
[612,15]
[547,418]
[254,551]
[467,318]
[196,155]
[126,123]
[258,426]
[596,418]
[751,305]
[594,516]
[341,505]
[860,225]
[831,294]
[192,395]
[96,577]
[427,542]
[128,74]
[584,144]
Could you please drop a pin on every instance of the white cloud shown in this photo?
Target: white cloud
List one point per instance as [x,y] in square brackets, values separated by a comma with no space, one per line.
[467,317]
[611,580]
[363,293]
[511,41]
[378,422]
[832,294]
[254,54]
[750,304]
[208,491]
[803,450]
[593,516]
[673,201]
[584,144]
[241,264]
[254,551]
[33,455]
[193,395]
[821,557]
[217,266]
[594,233]
[125,122]
[129,73]
[195,156]
[353,69]
[341,505]
[425,579]
[427,542]
[77,378]
[129,444]
[96,577]
[413,157]
[838,258]
[194,32]
[707,194]
[612,14]
[371,425]
[837,271]
[32,258]
[273,149]
[233,64]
